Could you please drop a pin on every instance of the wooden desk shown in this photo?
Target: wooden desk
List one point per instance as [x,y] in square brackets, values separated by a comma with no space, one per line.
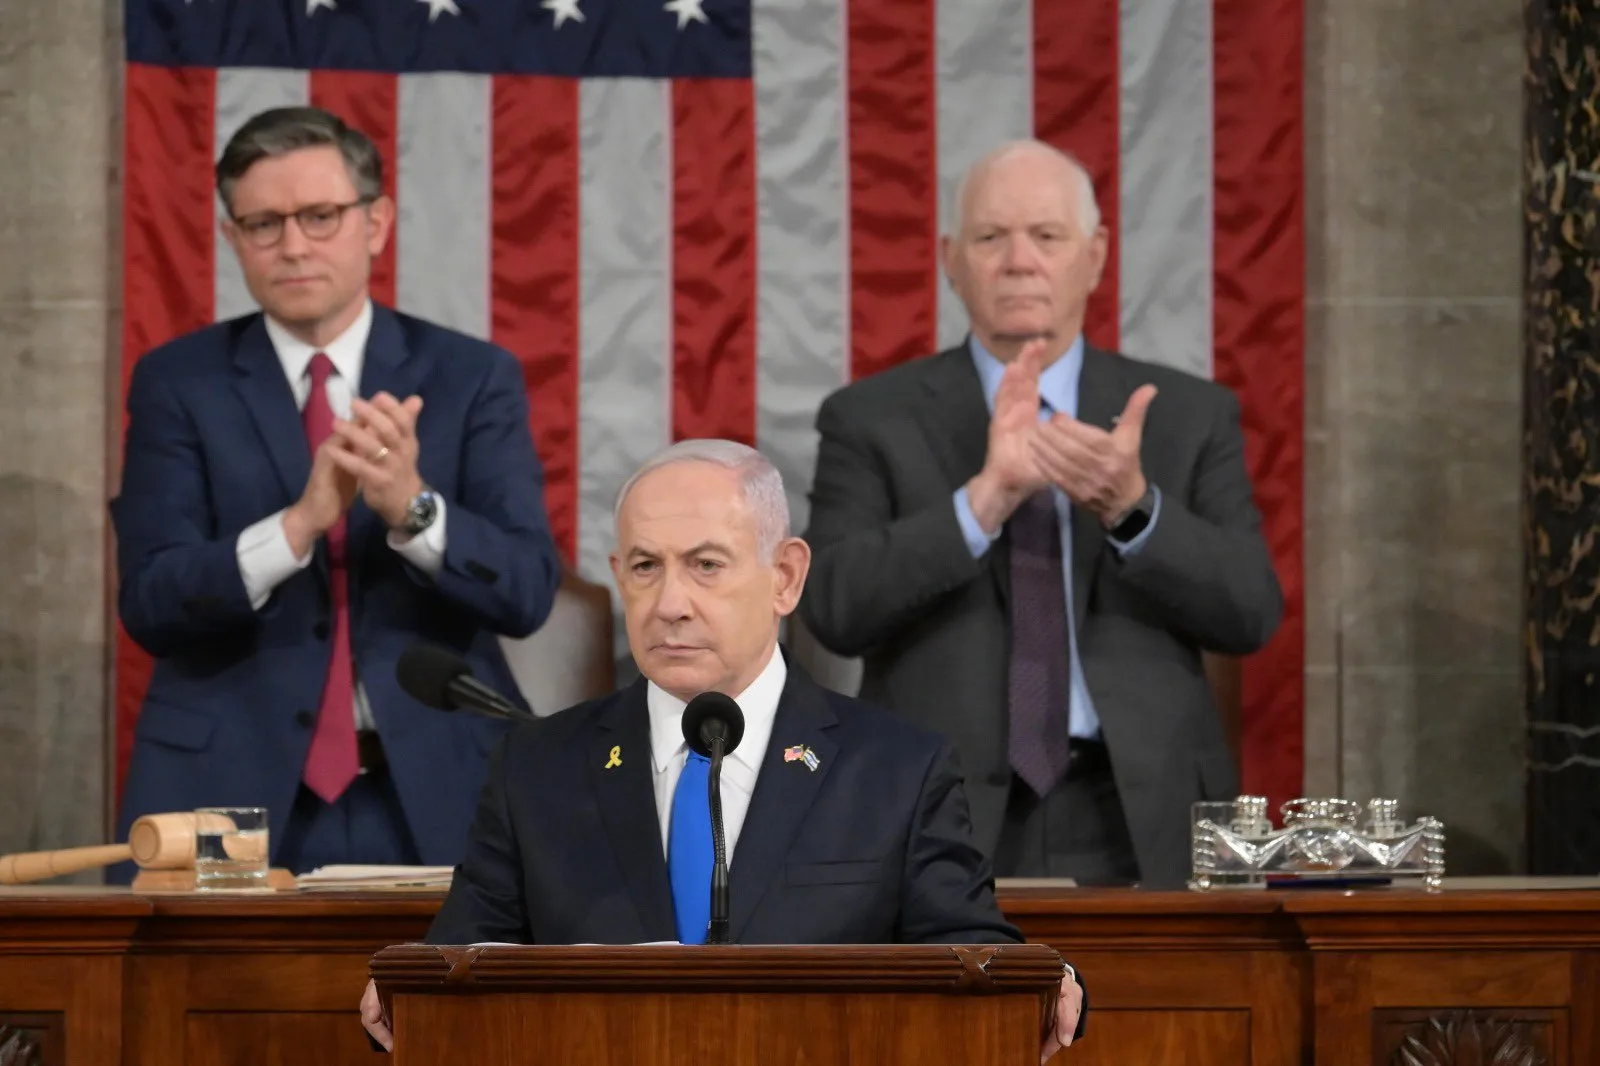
[1227,979]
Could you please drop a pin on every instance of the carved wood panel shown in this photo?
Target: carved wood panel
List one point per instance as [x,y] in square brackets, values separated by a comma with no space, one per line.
[1519,1037]
[31,1040]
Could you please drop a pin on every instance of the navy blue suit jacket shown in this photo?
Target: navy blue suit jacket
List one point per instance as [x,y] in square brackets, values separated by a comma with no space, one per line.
[215,443]
[872,846]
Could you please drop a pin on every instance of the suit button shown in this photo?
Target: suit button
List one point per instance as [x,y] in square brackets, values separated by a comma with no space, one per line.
[303,719]
[320,631]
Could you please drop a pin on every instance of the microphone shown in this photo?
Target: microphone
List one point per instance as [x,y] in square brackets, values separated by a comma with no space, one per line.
[713,725]
[443,680]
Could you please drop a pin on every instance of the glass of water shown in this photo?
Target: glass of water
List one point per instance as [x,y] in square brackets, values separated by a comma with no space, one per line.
[1210,863]
[230,847]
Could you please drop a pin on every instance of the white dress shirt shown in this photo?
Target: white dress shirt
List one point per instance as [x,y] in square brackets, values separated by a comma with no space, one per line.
[265,558]
[669,750]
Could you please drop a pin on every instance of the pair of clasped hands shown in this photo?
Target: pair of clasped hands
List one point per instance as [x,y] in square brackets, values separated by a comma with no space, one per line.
[1099,470]
[373,454]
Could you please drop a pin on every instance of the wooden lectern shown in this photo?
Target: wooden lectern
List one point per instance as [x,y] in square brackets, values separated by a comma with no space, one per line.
[654,1005]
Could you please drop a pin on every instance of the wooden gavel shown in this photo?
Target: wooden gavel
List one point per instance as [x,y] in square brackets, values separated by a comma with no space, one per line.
[155,842]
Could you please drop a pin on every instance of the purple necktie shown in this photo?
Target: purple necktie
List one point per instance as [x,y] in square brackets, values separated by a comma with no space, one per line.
[1039,670]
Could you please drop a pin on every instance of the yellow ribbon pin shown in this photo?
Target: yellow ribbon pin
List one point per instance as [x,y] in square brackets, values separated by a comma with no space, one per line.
[616,758]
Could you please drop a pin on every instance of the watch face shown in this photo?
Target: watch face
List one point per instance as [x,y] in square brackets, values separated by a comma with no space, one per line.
[1136,520]
[420,514]
[1133,525]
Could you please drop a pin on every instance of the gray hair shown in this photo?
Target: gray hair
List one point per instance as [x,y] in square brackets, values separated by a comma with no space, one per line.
[1088,207]
[282,130]
[759,481]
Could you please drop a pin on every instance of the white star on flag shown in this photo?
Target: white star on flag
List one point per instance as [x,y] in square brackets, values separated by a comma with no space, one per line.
[687,11]
[563,10]
[312,5]
[438,7]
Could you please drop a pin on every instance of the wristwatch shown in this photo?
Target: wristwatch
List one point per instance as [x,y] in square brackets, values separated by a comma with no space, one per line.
[1133,521]
[420,512]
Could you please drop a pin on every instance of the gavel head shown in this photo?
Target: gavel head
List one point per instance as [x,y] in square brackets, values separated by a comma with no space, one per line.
[166,841]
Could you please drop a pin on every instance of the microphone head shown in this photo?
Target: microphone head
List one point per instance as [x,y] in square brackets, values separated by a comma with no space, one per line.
[425,672]
[708,716]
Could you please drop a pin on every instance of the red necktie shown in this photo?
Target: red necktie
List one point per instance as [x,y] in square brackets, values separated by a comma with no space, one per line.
[333,761]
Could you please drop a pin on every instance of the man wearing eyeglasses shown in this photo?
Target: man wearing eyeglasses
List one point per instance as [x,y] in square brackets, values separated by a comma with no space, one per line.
[307,491]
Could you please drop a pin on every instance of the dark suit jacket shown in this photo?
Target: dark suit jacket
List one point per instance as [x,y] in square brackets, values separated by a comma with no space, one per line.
[873,846]
[215,442]
[892,580]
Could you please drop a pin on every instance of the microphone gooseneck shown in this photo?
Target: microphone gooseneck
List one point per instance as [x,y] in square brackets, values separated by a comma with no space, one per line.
[713,725]
[717,932]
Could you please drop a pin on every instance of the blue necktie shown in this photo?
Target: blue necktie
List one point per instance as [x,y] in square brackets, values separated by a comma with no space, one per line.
[689,850]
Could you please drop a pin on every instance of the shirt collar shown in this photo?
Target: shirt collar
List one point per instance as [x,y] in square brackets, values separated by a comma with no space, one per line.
[759,702]
[1058,382]
[346,350]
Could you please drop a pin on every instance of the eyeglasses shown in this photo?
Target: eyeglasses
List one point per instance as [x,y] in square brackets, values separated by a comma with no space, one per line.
[318,222]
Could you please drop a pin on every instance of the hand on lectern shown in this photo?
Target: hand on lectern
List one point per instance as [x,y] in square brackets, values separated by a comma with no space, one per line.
[372,1017]
[1068,1005]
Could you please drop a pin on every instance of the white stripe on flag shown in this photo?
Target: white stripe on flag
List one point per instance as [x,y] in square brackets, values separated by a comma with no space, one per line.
[442,187]
[1166,209]
[241,93]
[985,97]
[625,294]
[802,320]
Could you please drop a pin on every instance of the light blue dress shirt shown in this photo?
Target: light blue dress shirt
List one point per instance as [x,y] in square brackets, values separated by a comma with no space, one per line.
[1058,392]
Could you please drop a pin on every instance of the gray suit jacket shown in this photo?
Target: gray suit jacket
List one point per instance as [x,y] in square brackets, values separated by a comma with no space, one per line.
[893,581]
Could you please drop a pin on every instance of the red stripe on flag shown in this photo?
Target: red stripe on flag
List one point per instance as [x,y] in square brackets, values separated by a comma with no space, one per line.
[1260,341]
[533,272]
[894,197]
[371,104]
[1076,108]
[713,259]
[169,224]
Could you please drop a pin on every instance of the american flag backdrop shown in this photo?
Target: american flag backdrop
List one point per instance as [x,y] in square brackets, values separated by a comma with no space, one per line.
[696,218]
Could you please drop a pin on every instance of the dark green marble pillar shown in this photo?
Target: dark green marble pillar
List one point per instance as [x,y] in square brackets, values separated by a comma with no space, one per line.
[1562,434]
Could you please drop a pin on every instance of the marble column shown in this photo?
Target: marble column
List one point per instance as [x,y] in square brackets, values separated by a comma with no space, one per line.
[1561,443]
[1413,414]
[58,142]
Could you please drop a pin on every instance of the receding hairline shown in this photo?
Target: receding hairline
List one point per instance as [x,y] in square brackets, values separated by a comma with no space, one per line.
[633,483]
[757,478]
[1079,182]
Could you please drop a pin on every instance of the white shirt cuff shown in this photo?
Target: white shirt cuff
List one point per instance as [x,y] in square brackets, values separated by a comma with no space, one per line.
[265,559]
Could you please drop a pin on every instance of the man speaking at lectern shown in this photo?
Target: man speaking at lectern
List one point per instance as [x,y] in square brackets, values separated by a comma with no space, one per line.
[843,823]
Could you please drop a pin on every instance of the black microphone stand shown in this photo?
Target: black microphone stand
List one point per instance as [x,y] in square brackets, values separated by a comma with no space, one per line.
[717,933]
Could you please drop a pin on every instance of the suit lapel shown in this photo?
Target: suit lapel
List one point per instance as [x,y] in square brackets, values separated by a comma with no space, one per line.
[956,421]
[389,365]
[264,390]
[625,794]
[783,796]
[1101,397]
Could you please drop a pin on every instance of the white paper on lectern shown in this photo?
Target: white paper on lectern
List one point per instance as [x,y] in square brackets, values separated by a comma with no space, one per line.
[354,872]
